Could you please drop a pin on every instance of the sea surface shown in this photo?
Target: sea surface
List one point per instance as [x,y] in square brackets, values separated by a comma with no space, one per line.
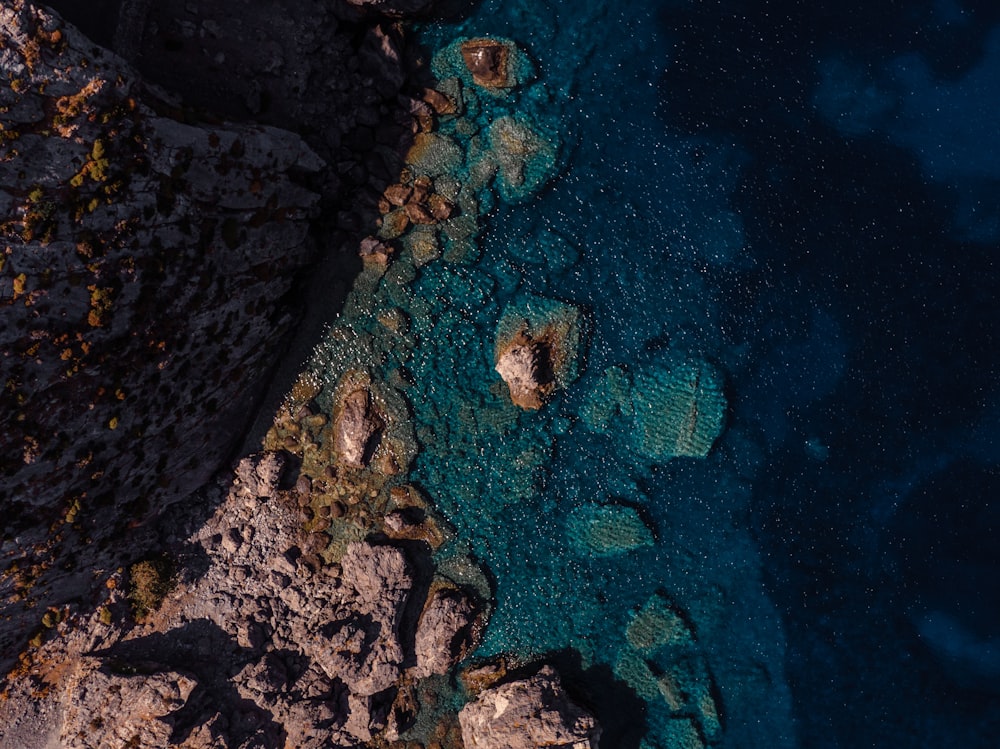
[801,198]
[804,199]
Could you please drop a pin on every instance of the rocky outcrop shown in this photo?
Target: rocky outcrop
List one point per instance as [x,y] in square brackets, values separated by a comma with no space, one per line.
[526,367]
[537,346]
[144,288]
[487,60]
[272,641]
[526,714]
[447,632]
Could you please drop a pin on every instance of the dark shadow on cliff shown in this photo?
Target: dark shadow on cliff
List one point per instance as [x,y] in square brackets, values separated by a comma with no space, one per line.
[202,649]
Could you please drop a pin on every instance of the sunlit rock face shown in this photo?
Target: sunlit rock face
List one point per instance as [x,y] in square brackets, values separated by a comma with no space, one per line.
[144,276]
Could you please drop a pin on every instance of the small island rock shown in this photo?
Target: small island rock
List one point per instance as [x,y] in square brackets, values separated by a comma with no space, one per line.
[487,60]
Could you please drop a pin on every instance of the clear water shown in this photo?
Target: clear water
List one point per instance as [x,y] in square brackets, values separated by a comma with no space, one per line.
[803,199]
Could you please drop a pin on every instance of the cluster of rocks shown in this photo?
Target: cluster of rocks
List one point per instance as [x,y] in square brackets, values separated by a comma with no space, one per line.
[310,654]
[270,645]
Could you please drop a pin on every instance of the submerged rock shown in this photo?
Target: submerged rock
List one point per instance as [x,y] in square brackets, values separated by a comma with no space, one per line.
[526,714]
[663,661]
[679,410]
[672,409]
[607,530]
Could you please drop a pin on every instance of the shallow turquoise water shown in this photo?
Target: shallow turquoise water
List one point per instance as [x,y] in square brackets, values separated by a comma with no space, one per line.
[638,231]
[792,206]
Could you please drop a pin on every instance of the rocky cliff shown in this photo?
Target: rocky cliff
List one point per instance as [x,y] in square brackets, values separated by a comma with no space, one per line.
[148,260]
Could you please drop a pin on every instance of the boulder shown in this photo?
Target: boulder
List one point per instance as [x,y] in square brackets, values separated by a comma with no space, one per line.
[357,425]
[361,644]
[446,633]
[526,368]
[526,714]
[487,60]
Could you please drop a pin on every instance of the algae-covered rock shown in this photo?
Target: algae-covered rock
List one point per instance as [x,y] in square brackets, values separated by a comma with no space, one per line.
[663,661]
[609,401]
[607,530]
[526,159]
[672,409]
[537,346]
[659,623]
[434,154]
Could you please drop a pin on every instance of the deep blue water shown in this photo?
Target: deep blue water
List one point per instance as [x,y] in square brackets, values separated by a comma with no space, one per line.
[799,205]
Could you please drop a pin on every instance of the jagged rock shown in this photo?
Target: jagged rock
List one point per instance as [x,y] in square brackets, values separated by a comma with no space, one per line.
[107,709]
[487,60]
[258,475]
[361,645]
[143,291]
[446,633]
[526,714]
[526,368]
[537,347]
[356,427]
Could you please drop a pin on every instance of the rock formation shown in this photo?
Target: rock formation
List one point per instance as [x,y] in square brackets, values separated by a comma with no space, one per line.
[309,653]
[526,714]
[537,346]
[356,427]
[526,367]
[487,60]
[143,287]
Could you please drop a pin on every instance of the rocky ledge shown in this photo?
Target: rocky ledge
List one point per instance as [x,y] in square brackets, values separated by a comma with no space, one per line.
[528,713]
[271,645]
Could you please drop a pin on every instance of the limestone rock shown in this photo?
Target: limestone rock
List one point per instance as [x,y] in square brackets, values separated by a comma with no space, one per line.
[446,633]
[356,427]
[526,368]
[487,60]
[258,475]
[143,291]
[525,714]
[362,644]
[115,709]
